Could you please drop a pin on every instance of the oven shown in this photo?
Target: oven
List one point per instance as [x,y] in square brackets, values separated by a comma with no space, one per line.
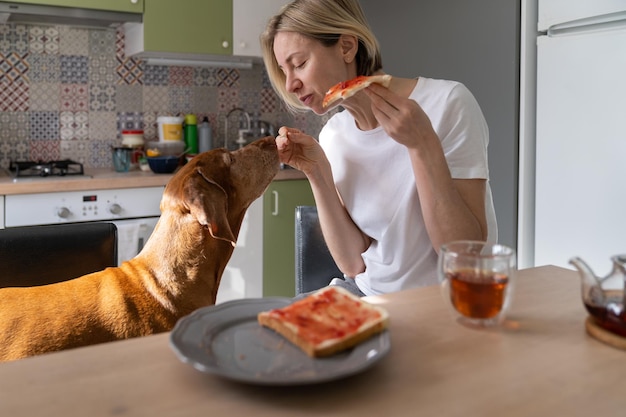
[134,211]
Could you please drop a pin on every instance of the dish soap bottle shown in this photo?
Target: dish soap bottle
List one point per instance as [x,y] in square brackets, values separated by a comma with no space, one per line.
[205,141]
[191,134]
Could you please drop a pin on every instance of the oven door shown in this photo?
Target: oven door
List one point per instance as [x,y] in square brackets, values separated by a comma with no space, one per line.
[132,235]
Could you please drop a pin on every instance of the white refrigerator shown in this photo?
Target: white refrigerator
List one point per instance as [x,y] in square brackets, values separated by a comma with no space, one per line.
[573,133]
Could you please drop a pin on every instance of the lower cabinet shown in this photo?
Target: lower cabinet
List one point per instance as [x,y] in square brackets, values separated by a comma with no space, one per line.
[279,206]
[263,263]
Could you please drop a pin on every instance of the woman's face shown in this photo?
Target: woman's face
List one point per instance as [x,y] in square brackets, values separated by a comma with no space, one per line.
[310,68]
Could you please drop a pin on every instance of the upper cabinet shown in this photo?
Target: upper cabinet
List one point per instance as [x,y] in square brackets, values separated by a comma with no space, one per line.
[182,27]
[200,29]
[130,6]
[249,20]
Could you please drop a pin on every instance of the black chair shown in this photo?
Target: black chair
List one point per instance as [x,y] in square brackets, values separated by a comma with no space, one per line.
[315,267]
[39,255]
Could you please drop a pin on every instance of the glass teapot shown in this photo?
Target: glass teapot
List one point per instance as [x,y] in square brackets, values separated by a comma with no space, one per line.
[604,297]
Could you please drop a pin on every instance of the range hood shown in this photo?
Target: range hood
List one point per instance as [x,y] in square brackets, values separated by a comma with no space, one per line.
[53,15]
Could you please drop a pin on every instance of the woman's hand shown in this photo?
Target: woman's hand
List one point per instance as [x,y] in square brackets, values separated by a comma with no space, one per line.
[299,150]
[402,118]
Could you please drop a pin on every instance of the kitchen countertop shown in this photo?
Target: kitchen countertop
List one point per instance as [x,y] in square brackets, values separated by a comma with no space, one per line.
[541,363]
[101,179]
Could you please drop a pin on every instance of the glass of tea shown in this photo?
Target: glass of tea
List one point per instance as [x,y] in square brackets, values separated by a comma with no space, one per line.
[477,281]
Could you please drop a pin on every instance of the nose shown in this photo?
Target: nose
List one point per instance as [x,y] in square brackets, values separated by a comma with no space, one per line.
[292,84]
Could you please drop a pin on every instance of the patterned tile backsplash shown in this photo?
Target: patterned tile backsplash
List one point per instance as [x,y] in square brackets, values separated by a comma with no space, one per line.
[67,93]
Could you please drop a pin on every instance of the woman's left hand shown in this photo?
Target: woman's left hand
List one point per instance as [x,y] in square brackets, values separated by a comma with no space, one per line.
[402,118]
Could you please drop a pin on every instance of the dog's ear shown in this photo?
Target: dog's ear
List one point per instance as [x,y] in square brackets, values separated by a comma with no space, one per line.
[208,203]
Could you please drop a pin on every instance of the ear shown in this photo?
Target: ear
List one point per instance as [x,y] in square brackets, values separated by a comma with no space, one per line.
[208,203]
[349,46]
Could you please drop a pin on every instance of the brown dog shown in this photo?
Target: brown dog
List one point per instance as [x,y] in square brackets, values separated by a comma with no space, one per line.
[177,272]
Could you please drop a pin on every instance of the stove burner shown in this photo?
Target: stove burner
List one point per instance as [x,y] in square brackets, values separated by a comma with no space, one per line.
[44,169]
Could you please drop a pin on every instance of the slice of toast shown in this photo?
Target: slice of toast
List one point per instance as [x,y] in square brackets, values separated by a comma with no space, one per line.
[327,321]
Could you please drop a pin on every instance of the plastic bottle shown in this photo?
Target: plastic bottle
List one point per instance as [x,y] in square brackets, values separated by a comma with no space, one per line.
[205,141]
[191,134]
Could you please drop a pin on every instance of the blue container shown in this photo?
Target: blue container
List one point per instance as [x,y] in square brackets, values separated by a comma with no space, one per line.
[163,164]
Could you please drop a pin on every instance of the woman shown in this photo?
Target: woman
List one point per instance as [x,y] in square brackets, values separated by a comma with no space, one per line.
[400,172]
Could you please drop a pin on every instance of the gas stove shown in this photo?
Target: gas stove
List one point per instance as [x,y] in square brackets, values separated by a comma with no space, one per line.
[61,168]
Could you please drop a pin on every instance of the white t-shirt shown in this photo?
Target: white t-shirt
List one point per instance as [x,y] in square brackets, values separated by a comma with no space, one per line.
[374,177]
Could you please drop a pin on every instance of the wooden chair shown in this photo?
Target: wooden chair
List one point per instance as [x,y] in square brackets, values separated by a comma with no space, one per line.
[38,255]
[315,267]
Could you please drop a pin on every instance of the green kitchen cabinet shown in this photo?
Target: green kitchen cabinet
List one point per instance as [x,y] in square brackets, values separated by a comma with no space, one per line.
[279,206]
[193,27]
[130,6]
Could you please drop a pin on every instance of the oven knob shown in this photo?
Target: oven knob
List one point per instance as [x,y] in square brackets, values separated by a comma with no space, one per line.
[63,212]
[115,208]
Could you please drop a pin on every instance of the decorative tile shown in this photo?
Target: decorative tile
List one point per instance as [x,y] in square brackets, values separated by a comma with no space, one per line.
[181,76]
[269,100]
[14,67]
[155,98]
[67,92]
[120,43]
[129,98]
[203,76]
[44,125]
[100,154]
[102,42]
[150,125]
[74,97]
[13,96]
[227,77]
[14,126]
[227,99]
[250,80]
[74,69]
[102,125]
[76,150]
[129,121]
[44,96]
[249,99]
[73,41]
[44,40]
[156,75]
[14,38]
[44,68]
[179,100]
[102,97]
[74,125]
[129,71]
[45,150]
[13,150]
[204,99]
[102,69]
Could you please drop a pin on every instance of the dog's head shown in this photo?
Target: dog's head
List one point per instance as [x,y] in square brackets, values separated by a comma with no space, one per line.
[217,187]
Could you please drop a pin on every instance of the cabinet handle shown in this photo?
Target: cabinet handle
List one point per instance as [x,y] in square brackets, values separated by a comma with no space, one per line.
[275,211]
[225,44]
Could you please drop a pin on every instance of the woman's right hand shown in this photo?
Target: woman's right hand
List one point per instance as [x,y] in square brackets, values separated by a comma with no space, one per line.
[299,150]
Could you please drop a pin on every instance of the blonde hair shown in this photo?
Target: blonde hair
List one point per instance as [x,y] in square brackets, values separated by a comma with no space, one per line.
[324,21]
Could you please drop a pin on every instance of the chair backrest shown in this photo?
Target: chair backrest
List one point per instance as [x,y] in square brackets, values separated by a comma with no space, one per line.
[315,267]
[39,255]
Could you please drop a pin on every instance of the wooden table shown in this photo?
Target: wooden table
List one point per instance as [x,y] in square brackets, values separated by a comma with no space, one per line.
[541,364]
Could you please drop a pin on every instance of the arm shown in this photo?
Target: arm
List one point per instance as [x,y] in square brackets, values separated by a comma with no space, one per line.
[453,208]
[344,239]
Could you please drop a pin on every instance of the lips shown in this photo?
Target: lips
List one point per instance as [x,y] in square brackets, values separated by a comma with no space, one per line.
[305,99]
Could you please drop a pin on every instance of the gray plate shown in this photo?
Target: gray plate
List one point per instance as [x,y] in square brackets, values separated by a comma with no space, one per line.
[227,340]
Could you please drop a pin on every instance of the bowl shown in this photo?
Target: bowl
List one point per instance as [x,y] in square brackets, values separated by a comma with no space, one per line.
[166,148]
[163,164]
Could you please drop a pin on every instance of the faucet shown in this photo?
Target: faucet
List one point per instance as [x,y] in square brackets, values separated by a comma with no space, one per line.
[241,141]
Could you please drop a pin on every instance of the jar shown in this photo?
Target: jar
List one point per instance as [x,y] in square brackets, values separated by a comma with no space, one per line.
[132,138]
[170,128]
